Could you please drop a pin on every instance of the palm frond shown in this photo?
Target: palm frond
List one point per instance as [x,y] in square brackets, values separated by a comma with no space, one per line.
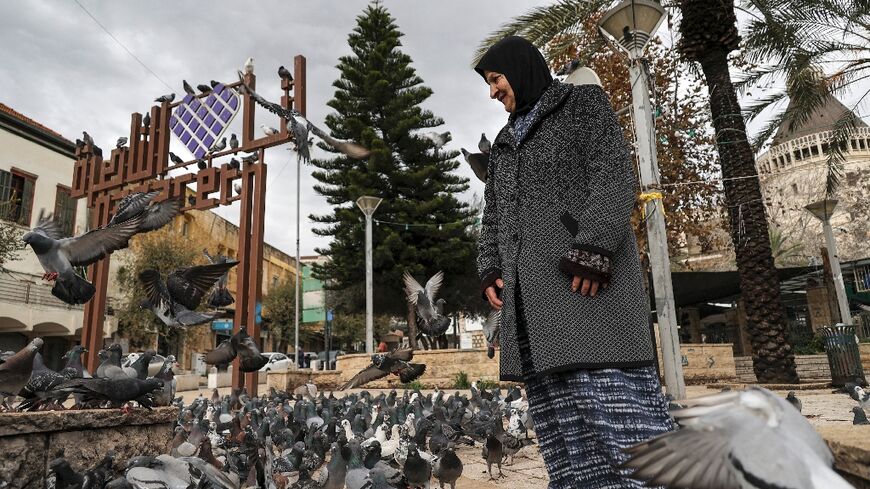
[541,24]
[837,145]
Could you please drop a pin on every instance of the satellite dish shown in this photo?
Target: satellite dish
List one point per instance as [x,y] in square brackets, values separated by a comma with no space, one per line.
[583,76]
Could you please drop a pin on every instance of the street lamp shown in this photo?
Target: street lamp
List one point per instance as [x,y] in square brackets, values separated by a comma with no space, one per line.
[368,204]
[823,210]
[629,26]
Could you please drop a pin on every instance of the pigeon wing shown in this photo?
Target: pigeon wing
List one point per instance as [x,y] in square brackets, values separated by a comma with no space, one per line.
[160,214]
[46,225]
[403,354]
[412,287]
[94,245]
[155,289]
[272,107]
[365,376]
[349,148]
[187,286]
[433,285]
[132,205]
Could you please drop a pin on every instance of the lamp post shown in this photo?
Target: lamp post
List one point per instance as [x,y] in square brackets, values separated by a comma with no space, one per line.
[368,204]
[823,210]
[629,25]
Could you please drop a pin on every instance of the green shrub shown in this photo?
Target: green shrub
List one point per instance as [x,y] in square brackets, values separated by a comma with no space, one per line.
[486,384]
[461,381]
[413,386]
[807,344]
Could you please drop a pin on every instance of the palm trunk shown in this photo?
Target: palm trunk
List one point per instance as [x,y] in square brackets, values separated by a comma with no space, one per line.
[708,42]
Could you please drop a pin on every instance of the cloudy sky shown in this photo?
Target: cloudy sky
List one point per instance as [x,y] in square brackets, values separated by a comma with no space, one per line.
[63,70]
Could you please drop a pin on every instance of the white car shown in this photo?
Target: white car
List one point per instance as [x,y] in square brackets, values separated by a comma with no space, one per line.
[278,362]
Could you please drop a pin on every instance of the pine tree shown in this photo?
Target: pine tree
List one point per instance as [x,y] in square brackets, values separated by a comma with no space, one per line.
[377,103]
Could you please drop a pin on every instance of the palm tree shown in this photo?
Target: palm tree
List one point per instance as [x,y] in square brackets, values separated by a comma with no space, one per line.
[708,34]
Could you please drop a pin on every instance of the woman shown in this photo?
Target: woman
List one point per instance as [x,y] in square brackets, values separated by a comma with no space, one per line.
[558,257]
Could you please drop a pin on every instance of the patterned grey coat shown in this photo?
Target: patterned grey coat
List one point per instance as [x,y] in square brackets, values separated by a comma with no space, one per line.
[558,204]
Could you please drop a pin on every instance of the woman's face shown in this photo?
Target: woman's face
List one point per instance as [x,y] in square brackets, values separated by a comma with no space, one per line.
[501,90]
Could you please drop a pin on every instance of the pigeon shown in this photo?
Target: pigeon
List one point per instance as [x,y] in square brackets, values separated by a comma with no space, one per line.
[234,164]
[115,391]
[300,138]
[154,215]
[860,416]
[348,148]
[568,67]
[484,145]
[165,98]
[430,311]
[39,391]
[187,88]
[64,475]
[234,141]
[237,188]
[110,367]
[250,358]
[175,158]
[165,374]
[492,453]
[87,138]
[437,139]
[284,73]
[395,362]
[201,164]
[219,146]
[175,301]
[15,370]
[146,121]
[248,67]
[794,401]
[139,368]
[857,393]
[729,440]
[204,88]
[214,83]
[59,255]
[222,355]
[478,163]
[252,158]
[490,332]
[220,296]
[448,467]
[416,469]
[268,130]
[121,142]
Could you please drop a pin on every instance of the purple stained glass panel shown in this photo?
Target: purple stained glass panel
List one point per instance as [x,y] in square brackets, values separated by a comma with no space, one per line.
[199,153]
[186,117]
[201,133]
[192,145]
[210,100]
[234,103]
[185,137]
[209,120]
[217,127]
[194,125]
[178,130]
[187,98]
[225,115]
[208,141]
[195,104]
[226,94]
[201,112]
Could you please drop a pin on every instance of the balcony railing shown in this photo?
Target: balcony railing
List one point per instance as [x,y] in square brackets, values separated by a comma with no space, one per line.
[811,148]
[24,292]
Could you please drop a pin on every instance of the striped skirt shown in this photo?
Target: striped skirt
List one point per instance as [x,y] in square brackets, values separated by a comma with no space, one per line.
[585,418]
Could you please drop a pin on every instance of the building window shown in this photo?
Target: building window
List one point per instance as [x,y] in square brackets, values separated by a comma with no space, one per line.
[16,196]
[274,280]
[65,210]
[184,227]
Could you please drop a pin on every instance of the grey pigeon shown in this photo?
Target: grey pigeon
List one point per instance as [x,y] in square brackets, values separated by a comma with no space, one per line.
[154,215]
[175,158]
[357,475]
[201,164]
[484,145]
[58,255]
[250,158]
[493,453]
[737,439]
[234,141]
[490,332]
[139,368]
[87,138]
[860,416]
[121,142]
[268,130]
[203,88]
[396,362]
[234,164]
[175,301]
[250,358]
[39,391]
[213,83]
[438,139]
[220,296]
[15,370]
[219,146]
[146,121]
[284,73]
[416,469]
[187,88]
[348,148]
[478,163]
[165,98]
[430,311]
[116,391]
[64,475]
[300,138]
[794,401]
[165,374]
[336,469]
[110,368]
[448,468]
[222,355]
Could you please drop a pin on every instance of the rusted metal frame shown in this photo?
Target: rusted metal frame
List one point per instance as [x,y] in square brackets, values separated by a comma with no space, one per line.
[255,256]
[95,309]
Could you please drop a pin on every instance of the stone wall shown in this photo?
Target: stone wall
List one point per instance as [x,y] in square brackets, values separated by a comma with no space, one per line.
[442,367]
[810,368]
[706,362]
[325,380]
[29,441]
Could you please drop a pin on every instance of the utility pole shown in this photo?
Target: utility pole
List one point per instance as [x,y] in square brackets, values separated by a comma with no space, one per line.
[368,205]
[630,25]
[823,210]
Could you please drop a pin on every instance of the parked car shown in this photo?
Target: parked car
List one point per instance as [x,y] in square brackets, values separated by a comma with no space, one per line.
[333,354]
[153,367]
[278,362]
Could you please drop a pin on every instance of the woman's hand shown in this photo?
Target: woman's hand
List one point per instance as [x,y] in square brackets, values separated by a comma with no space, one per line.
[586,286]
[492,294]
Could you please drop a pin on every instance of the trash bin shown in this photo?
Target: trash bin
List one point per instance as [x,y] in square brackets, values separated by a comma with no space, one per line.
[841,346]
[315,365]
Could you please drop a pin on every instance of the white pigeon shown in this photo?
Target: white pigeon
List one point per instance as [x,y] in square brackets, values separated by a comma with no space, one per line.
[438,139]
[740,440]
[348,432]
[859,394]
[268,130]
[248,67]
[388,448]
[380,437]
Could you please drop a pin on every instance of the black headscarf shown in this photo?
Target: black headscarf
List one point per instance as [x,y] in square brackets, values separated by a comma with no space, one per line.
[524,67]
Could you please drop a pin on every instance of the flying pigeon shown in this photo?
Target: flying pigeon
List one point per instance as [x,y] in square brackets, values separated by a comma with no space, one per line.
[15,370]
[58,255]
[176,300]
[430,311]
[248,67]
[349,148]
[219,146]
[121,142]
[396,362]
[490,332]
[731,438]
[187,88]
[268,130]
[220,296]
[284,73]
[153,216]
[484,145]
[250,358]
[437,139]
[234,141]
[300,138]
[478,163]
[165,98]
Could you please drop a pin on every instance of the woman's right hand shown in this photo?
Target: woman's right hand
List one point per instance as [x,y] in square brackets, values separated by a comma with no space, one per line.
[492,293]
